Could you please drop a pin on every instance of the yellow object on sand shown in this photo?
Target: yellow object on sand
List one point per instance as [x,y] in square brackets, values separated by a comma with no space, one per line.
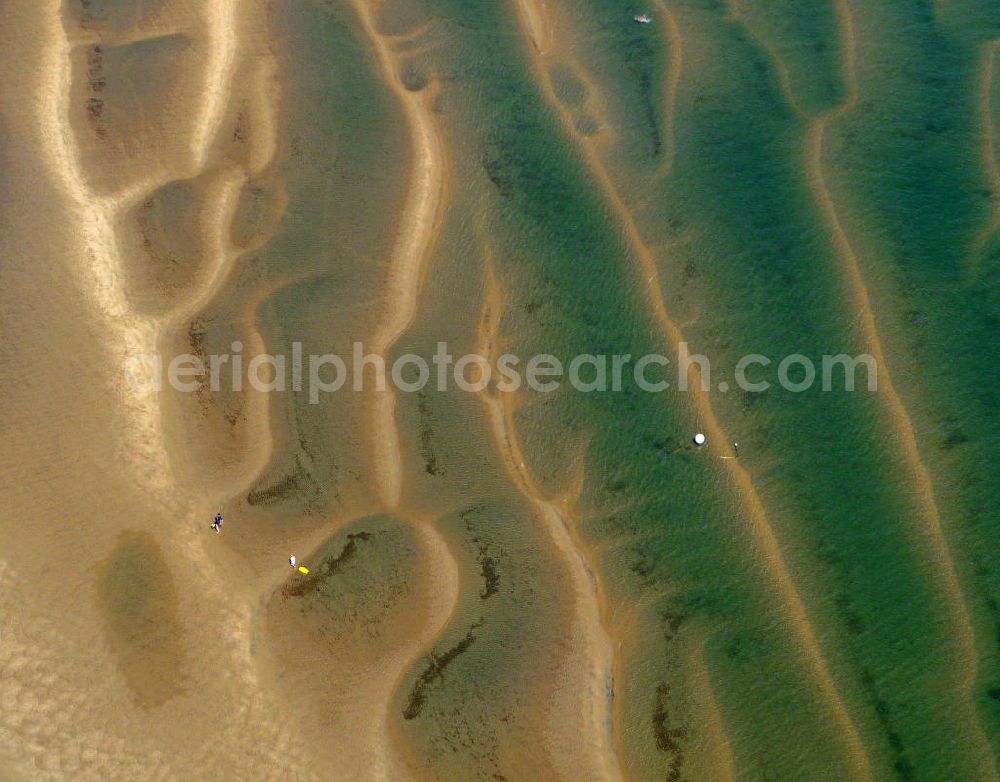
[303,569]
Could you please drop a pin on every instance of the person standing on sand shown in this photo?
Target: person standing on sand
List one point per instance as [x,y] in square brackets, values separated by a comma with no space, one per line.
[217,524]
[292,560]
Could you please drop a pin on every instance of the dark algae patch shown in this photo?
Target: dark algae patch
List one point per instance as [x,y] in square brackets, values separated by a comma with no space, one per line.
[901,765]
[297,482]
[328,568]
[278,490]
[427,436]
[667,735]
[488,565]
[491,576]
[436,666]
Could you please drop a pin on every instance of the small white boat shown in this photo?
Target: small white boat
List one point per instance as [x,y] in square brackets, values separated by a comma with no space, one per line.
[643,19]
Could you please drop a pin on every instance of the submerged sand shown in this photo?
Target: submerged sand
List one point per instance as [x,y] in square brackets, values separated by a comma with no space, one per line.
[184,176]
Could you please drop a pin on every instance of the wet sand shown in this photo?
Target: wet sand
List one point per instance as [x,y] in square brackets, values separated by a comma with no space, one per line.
[501,585]
[418,225]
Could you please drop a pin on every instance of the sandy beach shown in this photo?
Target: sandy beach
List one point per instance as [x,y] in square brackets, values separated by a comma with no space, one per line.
[463,577]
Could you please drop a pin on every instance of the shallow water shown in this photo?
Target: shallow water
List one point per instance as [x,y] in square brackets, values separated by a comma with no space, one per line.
[503,585]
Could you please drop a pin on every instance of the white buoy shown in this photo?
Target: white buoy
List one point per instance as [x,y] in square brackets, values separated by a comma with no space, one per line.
[699,439]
